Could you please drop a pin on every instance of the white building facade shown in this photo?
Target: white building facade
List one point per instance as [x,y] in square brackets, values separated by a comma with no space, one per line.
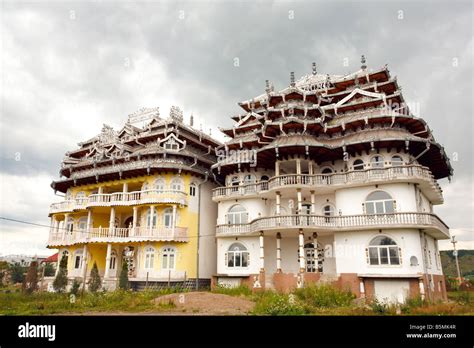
[332,180]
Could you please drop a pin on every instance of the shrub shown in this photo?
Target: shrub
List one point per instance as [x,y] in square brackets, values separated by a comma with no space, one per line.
[94,283]
[60,282]
[30,283]
[271,303]
[17,273]
[75,287]
[324,295]
[123,280]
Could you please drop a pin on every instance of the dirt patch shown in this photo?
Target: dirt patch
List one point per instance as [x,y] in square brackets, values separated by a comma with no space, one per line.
[205,303]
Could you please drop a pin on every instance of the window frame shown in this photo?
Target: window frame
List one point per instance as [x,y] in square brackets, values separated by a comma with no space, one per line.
[242,254]
[383,251]
[238,217]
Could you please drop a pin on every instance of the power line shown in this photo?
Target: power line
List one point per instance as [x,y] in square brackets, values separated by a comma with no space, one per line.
[73,229]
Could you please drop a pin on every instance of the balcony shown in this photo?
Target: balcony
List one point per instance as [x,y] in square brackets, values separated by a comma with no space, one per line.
[324,183]
[317,223]
[118,235]
[120,199]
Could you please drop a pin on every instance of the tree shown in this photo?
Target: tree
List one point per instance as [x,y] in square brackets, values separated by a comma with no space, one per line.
[60,282]
[30,283]
[123,281]
[17,273]
[94,283]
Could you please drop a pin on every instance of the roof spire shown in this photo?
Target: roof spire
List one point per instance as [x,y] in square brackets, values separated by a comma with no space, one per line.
[292,79]
[314,68]
[362,60]
[267,86]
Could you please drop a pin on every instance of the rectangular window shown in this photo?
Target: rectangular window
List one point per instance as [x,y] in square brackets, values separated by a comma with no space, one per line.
[192,190]
[383,256]
[77,262]
[369,207]
[373,256]
[394,258]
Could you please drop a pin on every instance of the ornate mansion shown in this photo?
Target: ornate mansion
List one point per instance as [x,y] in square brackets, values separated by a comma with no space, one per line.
[329,180]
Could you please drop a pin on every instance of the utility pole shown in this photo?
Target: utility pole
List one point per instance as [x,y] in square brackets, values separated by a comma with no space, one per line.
[455,253]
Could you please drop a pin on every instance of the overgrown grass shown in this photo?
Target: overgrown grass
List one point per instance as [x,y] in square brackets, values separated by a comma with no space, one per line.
[324,296]
[272,303]
[240,290]
[44,303]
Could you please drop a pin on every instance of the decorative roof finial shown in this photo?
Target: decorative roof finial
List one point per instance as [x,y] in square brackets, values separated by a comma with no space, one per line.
[362,60]
[292,79]
[191,120]
[267,86]
[314,68]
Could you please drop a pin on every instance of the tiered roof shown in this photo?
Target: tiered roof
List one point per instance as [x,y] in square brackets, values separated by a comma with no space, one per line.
[323,116]
[162,144]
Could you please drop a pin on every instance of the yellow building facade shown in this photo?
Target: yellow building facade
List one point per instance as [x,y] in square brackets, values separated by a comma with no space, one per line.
[140,196]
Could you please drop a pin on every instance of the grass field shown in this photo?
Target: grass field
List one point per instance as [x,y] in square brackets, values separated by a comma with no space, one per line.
[322,300]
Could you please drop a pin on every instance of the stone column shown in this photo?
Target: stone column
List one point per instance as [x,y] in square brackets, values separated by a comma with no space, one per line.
[134,222]
[278,203]
[107,260]
[89,223]
[125,187]
[298,166]
[65,228]
[277,168]
[422,289]
[112,222]
[173,223]
[362,288]
[84,263]
[152,213]
[262,253]
[300,201]
[301,249]
[278,240]
[310,168]
[100,190]
[313,203]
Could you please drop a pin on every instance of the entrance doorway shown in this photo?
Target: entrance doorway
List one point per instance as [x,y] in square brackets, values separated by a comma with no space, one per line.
[314,258]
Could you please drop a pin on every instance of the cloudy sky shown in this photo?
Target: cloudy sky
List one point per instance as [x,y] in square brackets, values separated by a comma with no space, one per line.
[69,67]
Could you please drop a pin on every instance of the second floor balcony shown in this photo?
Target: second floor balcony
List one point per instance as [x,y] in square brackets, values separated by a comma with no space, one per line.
[431,223]
[324,183]
[121,199]
[117,235]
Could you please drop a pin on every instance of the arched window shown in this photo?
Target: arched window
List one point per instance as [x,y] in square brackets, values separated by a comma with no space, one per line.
[237,256]
[168,217]
[379,202]
[151,218]
[235,182]
[159,184]
[177,184]
[264,178]
[80,195]
[168,258]
[192,190]
[358,164]
[376,162]
[306,209]
[397,161]
[237,214]
[149,257]
[383,251]
[328,210]
[248,181]
[113,260]
[78,259]
[145,186]
[327,170]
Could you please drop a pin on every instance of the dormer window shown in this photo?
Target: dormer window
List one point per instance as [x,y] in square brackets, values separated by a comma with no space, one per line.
[171,145]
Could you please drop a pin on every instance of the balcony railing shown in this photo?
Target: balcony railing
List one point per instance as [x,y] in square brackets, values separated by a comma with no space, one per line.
[121,198]
[335,223]
[408,172]
[105,234]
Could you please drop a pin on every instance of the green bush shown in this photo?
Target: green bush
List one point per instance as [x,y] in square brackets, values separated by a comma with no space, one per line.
[94,283]
[17,273]
[60,282]
[48,269]
[75,287]
[270,303]
[123,280]
[324,295]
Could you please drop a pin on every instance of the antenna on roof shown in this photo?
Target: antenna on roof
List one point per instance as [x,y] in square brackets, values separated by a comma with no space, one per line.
[314,68]
[191,120]
[362,60]
[292,79]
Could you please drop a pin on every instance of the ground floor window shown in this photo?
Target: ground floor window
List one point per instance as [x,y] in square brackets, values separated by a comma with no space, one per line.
[149,257]
[237,256]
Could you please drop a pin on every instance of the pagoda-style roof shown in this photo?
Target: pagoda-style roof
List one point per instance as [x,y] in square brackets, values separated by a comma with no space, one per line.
[323,116]
[161,144]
